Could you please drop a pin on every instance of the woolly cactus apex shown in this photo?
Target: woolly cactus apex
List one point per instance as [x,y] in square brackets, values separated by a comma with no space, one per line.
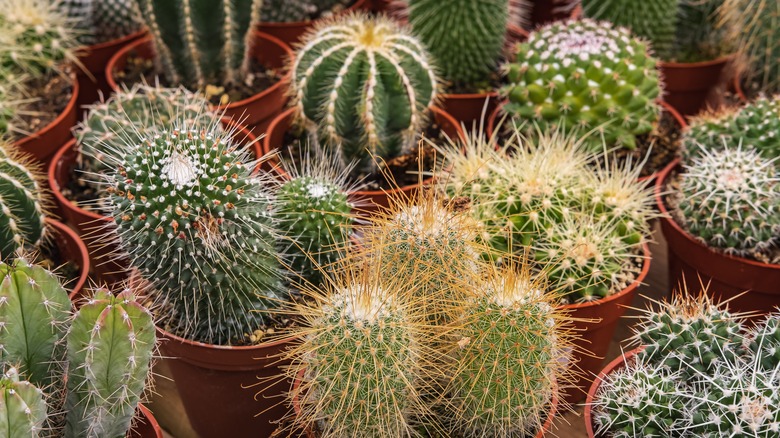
[588,76]
[465,37]
[366,84]
[513,355]
[755,125]
[730,200]
[690,334]
[22,408]
[34,312]
[654,20]
[201,42]
[639,400]
[763,342]
[195,221]
[22,203]
[110,346]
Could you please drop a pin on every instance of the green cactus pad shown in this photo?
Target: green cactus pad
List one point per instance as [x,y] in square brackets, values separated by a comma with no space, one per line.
[22,407]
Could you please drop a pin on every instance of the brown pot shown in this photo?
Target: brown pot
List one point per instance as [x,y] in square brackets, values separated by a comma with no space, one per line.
[145,425]
[291,33]
[692,87]
[255,112]
[44,143]
[374,199]
[92,83]
[615,365]
[596,322]
[228,391]
[73,250]
[728,277]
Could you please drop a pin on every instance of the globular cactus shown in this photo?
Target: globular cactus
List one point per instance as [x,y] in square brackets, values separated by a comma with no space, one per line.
[287,11]
[202,42]
[103,20]
[763,341]
[586,76]
[366,84]
[639,400]
[729,200]
[465,37]
[653,20]
[754,125]
[110,346]
[196,221]
[22,203]
[22,406]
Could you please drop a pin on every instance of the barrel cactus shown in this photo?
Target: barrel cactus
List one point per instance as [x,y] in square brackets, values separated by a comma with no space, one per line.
[763,341]
[588,76]
[22,406]
[365,84]
[22,203]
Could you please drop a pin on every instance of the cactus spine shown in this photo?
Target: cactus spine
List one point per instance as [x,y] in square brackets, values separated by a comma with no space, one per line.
[22,203]
[366,84]
[763,341]
[22,408]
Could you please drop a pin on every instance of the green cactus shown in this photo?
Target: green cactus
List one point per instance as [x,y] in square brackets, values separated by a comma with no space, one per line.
[763,341]
[465,37]
[195,221]
[288,11]
[729,200]
[699,36]
[366,84]
[754,125]
[586,76]
[110,346]
[653,20]
[202,42]
[11,98]
[22,203]
[639,400]
[103,20]
[22,408]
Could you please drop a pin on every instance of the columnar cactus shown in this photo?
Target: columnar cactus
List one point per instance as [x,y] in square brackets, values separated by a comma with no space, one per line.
[200,43]
[763,341]
[366,84]
[286,11]
[465,37]
[196,221]
[22,408]
[102,20]
[588,76]
[22,203]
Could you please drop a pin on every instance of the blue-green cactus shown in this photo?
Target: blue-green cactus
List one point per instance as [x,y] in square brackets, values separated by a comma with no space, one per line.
[22,407]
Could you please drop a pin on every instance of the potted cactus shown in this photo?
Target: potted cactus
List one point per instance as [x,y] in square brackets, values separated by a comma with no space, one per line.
[290,20]
[237,67]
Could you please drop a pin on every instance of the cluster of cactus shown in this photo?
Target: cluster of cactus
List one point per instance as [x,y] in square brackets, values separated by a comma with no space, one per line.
[22,205]
[586,76]
[102,20]
[365,84]
[202,43]
[465,37]
[104,350]
[287,11]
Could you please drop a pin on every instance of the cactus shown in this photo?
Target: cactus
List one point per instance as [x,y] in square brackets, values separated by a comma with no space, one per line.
[103,20]
[639,400]
[11,98]
[196,222]
[110,345]
[465,37]
[699,37]
[754,125]
[366,84]
[729,200]
[202,42]
[588,76]
[22,203]
[653,20]
[22,408]
[288,11]
[763,341]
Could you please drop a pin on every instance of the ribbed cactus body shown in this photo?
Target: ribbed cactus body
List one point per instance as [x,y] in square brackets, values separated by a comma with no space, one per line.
[366,84]
[22,408]
[102,20]
[110,346]
[21,206]
[653,20]
[588,76]
[699,35]
[763,341]
[465,37]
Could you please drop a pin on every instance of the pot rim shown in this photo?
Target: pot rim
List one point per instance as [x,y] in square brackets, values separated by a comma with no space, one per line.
[150,420]
[166,335]
[84,265]
[723,59]
[87,50]
[74,95]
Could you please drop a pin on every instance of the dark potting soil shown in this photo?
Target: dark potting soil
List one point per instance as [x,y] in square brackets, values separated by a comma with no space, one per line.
[48,98]
[81,190]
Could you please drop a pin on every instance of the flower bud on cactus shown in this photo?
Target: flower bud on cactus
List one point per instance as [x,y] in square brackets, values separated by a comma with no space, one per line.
[22,408]
[465,37]
[587,76]
[639,400]
[110,346]
[22,203]
[763,341]
[366,84]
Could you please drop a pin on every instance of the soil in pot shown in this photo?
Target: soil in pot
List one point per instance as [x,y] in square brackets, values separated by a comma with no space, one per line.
[49,96]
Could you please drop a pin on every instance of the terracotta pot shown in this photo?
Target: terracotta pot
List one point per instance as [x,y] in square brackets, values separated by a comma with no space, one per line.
[692,87]
[145,425]
[615,365]
[226,391]
[255,112]
[73,251]
[693,262]
[373,198]
[601,318]
[92,83]
[44,143]
[291,33]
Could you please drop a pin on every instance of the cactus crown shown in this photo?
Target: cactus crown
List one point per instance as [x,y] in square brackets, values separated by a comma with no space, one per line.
[365,84]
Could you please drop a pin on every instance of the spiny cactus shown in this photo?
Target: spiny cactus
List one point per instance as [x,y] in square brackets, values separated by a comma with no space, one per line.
[465,37]
[200,43]
[12,97]
[22,408]
[366,84]
[699,35]
[754,125]
[286,11]
[22,203]
[729,199]
[196,221]
[585,76]
[653,20]
[639,400]
[102,20]
[763,341]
